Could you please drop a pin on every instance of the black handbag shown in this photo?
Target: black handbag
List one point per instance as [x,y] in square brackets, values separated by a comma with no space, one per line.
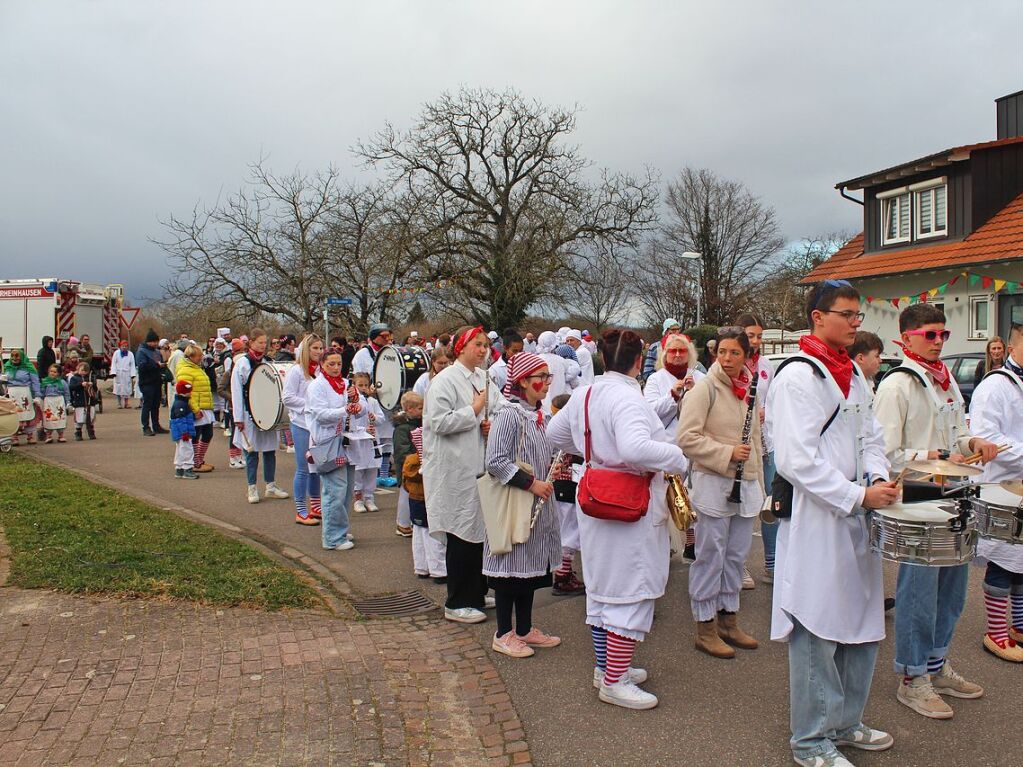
[564,490]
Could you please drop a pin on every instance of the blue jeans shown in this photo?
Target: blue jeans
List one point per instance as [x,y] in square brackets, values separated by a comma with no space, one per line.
[769,530]
[930,601]
[338,486]
[999,582]
[269,466]
[829,683]
[306,484]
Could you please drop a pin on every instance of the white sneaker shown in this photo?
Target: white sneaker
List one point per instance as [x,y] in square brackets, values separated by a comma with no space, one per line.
[253,494]
[289,449]
[343,546]
[237,463]
[866,739]
[464,615]
[634,675]
[747,580]
[831,759]
[371,505]
[489,603]
[272,491]
[626,694]
[359,507]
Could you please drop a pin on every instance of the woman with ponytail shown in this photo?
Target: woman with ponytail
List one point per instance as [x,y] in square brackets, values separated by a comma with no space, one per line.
[296,382]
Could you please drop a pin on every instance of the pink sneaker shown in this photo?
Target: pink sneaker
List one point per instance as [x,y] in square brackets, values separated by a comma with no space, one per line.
[511,645]
[536,638]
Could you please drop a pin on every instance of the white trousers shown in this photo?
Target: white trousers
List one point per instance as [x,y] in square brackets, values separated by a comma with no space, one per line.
[403,519]
[631,620]
[80,415]
[366,483]
[569,523]
[184,454]
[428,554]
[715,578]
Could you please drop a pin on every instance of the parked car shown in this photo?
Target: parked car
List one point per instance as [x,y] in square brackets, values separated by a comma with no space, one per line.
[964,368]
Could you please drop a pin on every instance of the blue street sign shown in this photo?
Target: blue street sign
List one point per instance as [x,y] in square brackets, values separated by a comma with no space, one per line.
[339,302]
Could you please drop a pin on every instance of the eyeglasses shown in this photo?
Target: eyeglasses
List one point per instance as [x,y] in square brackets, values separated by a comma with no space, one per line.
[931,335]
[542,376]
[849,315]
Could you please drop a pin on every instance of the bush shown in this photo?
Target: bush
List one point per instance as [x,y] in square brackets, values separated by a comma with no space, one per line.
[701,334]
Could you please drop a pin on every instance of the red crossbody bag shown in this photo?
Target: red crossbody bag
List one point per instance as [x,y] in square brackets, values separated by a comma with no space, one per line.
[607,494]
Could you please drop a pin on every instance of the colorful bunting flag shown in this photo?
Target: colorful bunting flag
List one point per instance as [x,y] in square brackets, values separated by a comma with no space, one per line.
[997,284]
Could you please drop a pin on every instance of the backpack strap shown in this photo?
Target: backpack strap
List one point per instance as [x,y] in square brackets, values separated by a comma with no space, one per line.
[1006,373]
[820,373]
[586,426]
[910,372]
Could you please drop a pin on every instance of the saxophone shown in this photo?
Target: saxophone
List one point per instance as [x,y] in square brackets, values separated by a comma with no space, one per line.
[679,506]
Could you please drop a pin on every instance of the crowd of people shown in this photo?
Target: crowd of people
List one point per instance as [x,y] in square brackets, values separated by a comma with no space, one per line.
[514,459]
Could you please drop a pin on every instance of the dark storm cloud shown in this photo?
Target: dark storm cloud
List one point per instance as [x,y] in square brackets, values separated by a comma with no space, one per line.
[113,115]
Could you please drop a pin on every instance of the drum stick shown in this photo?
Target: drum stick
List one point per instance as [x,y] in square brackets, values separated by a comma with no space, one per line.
[976,457]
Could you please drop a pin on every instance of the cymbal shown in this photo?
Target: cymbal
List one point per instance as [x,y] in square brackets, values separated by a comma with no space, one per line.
[944,468]
[1014,486]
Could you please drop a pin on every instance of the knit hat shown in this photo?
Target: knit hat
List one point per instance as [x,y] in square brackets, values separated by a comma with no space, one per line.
[377,329]
[151,336]
[237,345]
[183,387]
[669,323]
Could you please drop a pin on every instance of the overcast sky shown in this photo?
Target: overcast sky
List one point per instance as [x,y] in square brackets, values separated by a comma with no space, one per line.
[114,115]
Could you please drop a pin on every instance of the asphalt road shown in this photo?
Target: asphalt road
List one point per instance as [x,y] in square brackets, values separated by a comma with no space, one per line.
[712,712]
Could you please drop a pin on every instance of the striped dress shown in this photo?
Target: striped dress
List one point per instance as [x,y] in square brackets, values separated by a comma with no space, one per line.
[539,556]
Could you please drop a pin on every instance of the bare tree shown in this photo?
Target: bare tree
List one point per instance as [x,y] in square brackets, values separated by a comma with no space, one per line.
[736,234]
[599,292]
[257,250]
[663,285]
[506,198]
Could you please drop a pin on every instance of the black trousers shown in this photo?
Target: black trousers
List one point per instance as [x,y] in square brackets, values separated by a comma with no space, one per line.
[150,404]
[466,584]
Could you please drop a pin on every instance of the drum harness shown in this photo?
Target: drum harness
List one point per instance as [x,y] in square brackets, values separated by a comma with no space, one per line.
[948,412]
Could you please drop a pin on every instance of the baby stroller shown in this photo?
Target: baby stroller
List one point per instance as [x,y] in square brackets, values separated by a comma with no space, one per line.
[9,421]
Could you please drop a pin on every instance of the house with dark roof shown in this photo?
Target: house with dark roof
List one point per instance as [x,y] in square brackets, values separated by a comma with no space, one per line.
[946,228]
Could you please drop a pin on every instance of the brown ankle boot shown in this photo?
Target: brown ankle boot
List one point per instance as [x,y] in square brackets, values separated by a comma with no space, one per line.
[708,641]
[728,629]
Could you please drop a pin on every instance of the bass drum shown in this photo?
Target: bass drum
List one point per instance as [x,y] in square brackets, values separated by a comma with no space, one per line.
[265,396]
[396,370]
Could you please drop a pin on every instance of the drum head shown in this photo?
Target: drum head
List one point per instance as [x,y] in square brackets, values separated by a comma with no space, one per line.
[916,512]
[389,377]
[416,363]
[265,398]
[999,496]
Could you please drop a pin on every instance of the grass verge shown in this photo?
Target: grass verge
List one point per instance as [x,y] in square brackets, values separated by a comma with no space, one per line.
[69,534]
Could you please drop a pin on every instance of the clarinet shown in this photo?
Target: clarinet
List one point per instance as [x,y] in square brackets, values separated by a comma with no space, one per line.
[735,496]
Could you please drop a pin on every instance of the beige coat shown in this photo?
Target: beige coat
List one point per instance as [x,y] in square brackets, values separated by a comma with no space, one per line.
[710,425]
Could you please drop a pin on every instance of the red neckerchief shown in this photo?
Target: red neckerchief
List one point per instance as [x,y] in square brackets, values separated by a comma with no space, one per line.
[835,360]
[376,349]
[679,371]
[741,384]
[937,369]
[255,356]
[337,383]
[752,362]
[313,367]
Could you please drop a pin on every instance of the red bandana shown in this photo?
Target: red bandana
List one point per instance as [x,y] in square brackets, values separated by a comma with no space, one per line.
[254,355]
[937,369]
[679,371]
[313,367]
[752,362]
[337,383]
[466,337]
[836,361]
[741,384]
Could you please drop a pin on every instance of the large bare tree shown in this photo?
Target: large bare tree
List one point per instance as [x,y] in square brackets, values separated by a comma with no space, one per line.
[258,250]
[599,293]
[733,230]
[508,197]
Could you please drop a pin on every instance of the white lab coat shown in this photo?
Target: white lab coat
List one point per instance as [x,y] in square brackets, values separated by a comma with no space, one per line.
[658,393]
[624,562]
[123,368]
[564,378]
[996,414]
[585,365]
[252,440]
[499,373]
[917,419]
[765,372]
[421,385]
[826,576]
[454,451]
[295,387]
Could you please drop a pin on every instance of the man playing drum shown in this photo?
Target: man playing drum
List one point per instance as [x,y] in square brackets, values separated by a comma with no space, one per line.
[921,411]
[996,413]
[828,590]
[379,337]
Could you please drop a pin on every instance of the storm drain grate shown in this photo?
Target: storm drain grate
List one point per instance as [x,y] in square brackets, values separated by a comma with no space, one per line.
[395,605]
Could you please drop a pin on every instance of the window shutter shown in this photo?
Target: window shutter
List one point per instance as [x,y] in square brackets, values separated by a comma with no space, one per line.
[903,215]
[926,211]
[940,221]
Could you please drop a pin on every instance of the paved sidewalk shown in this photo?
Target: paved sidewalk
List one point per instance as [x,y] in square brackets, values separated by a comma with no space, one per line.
[108,682]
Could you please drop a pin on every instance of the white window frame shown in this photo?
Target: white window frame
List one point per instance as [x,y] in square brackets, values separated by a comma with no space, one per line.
[918,191]
[975,333]
[889,201]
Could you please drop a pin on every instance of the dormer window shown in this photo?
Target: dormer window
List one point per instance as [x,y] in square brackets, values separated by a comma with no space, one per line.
[914,212]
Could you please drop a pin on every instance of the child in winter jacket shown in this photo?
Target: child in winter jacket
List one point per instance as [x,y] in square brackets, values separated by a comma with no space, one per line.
[83,400]
[54,386]
[182,431]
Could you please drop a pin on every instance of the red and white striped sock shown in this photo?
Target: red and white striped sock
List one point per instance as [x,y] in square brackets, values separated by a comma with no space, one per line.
[314,506]
[997,623]
[200,453]
[234,452]
[690,537]
[567,560]
[1017,612]
[619,656]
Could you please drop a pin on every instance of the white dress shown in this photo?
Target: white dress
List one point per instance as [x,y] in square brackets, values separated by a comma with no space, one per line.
[123,368]
[454,451]
[251,439]
[996,414]
[826,576]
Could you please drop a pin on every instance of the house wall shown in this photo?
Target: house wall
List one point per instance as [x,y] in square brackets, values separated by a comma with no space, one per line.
[883,318]
[997,180]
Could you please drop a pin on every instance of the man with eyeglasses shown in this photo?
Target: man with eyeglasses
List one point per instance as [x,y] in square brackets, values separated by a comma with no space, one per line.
[922,413]
[379,336]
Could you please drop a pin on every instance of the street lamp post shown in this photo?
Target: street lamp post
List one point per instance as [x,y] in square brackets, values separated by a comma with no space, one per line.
[691,256]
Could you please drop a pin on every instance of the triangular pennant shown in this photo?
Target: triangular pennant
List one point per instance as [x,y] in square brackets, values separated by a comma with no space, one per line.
[914,300]
[974,279]
[1011,286]
[999,284]
[943,288]
[923,296]
[870,299]
[933,292]
[986,282]
[895,302]
[955,279]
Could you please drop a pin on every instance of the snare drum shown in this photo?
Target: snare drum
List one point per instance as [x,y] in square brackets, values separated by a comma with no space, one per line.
[999,514]
[22,396]
[265,396]
[925,533]
[395,371]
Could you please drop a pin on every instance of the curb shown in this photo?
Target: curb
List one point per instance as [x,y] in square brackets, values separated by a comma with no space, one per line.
[333,589]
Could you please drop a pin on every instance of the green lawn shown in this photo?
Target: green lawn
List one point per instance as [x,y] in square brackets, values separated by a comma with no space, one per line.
[72,535]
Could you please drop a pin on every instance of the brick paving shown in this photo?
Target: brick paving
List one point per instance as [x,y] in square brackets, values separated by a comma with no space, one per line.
[87,681]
